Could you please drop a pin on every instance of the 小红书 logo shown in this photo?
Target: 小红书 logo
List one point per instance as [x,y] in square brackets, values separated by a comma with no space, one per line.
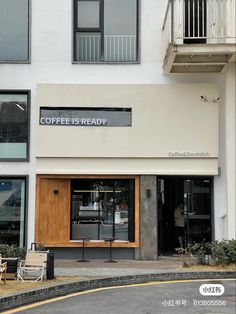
[212,289]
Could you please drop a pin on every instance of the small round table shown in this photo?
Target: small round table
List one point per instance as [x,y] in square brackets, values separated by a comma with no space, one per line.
[84,239]
[110,240]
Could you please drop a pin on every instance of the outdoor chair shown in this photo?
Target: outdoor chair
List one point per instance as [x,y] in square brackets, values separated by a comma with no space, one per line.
[3,270]
[34,266]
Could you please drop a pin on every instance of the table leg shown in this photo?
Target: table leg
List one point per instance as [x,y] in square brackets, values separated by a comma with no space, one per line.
[110,259]
[83,260]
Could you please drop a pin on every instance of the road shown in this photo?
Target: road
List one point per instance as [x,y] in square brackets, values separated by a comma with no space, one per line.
[158,297]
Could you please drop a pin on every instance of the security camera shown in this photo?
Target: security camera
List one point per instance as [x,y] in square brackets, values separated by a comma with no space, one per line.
[204,98]
[216,99]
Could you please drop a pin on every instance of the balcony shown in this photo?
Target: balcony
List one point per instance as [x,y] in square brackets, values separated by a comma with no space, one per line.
[198,36]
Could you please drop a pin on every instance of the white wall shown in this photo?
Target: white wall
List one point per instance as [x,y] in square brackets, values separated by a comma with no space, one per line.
[51,47]
[230,148]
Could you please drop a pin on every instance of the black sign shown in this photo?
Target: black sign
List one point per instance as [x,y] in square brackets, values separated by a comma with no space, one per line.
[95,116]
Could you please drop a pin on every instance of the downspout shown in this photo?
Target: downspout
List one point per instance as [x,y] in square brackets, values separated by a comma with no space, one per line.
[172,21]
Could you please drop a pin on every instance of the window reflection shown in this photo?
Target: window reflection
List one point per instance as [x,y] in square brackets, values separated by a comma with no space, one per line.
[13,125]
[197,199]
[12,211]
[102,208]
[106,31]
[14,30]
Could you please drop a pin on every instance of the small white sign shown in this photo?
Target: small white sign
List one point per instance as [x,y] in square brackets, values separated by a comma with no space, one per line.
[212,289]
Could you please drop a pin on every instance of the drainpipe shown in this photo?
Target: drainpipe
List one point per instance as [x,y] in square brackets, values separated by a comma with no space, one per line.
[172,21]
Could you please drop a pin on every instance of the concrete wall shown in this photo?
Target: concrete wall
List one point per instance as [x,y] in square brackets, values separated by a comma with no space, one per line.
[148,219]
[164,120]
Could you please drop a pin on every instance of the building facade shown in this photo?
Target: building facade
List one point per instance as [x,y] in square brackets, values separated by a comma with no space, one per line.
[112,120]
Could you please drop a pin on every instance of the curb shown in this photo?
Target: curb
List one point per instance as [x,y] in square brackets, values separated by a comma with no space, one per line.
[52,291]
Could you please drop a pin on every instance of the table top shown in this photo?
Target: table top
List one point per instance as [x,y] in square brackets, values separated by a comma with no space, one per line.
[110,238]
[83,238]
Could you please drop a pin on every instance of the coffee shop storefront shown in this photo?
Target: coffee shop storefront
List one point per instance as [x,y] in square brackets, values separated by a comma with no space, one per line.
[102,153]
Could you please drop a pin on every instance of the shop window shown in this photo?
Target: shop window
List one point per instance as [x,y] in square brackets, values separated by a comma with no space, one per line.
[12,211]
[14,30]
[102,208]
[106,30]
[14,125]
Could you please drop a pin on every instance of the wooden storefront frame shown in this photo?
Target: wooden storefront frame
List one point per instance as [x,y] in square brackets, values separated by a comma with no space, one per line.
[41,224]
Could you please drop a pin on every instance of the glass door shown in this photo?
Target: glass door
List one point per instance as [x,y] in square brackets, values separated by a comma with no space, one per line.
[184,212]
[197,210]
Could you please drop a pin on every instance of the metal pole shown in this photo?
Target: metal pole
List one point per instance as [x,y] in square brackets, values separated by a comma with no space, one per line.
[172,21]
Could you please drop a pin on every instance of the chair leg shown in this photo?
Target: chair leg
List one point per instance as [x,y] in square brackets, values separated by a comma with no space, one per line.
[21,274]
[5,276]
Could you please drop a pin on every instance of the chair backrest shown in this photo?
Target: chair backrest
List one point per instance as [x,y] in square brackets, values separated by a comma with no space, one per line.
[35,258]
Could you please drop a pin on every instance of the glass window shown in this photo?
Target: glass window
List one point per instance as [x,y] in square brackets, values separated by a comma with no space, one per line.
[12,211]
[102,208]
[14,125]
[106,30]
[92,42]
[88,14]
[14,30]
[90,116]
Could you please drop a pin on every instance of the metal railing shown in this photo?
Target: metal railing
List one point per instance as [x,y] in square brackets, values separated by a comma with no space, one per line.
[199,21]
[117,48]
[120,48]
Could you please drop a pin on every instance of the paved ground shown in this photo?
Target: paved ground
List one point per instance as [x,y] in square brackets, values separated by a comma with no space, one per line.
[71,270]
[167,297]
[73,276]
[98,268]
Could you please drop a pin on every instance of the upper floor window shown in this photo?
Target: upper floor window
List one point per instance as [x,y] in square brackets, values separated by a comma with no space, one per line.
[14,30]
[14,125]
[106,30]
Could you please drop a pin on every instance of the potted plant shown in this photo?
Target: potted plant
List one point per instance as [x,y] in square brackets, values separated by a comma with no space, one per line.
[12,254]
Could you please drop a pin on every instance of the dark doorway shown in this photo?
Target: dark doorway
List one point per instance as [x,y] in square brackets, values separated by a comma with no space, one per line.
[195,21]
[190,196]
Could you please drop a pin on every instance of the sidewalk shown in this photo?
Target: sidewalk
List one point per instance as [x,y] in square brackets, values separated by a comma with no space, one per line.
[73,276]
[99,268]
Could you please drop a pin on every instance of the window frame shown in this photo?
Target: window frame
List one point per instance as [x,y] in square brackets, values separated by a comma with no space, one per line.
[101,31]
[28,93]
[28,60]
[26,204]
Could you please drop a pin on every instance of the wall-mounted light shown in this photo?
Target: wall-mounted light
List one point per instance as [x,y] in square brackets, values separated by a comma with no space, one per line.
[148,193]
